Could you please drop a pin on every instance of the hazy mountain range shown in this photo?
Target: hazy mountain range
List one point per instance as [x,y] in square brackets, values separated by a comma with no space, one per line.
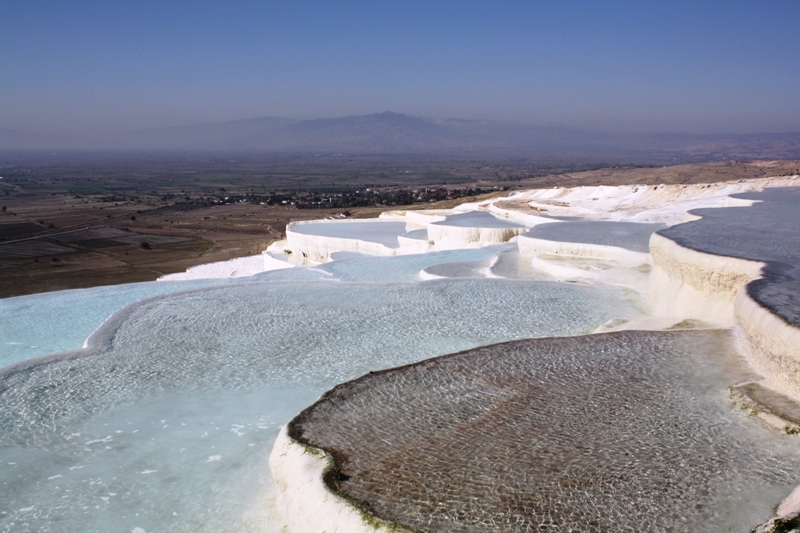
[394,133]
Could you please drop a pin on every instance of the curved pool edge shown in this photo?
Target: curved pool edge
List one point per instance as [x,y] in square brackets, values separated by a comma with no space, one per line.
[306,503]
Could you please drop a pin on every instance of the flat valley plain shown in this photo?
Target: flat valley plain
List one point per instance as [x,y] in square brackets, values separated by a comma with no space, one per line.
[75,220]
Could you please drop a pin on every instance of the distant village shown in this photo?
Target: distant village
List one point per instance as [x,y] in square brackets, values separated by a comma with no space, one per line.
[366,197]
[376,197]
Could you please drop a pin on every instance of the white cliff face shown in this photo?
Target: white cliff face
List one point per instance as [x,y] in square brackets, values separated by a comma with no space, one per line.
[686,283]
[472,229]
[319,249]
[770,345]
[581,262]
[533,247]
[609,252]
[317,240]
[691,284]
[453,237]
[682,283]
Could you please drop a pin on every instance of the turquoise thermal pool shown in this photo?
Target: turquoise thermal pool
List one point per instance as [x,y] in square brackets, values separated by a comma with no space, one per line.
[379,231]
[166,422]
[629,235]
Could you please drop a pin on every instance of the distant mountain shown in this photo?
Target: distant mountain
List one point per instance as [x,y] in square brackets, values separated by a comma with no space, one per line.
[379,133]
[384,132]
[395,133]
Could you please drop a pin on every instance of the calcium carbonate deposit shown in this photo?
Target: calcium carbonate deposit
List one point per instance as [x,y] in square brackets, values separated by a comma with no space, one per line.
[165,418]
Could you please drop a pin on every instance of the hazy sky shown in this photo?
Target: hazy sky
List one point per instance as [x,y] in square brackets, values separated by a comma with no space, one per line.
[105,66]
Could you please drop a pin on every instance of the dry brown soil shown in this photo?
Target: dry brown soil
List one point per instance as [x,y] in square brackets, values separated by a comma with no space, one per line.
[206,235]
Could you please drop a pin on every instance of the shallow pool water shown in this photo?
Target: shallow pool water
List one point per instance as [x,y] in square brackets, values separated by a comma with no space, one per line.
[166,423]
[477,219]
[629,235]
[53,322]
[624,432]
[381,231]
[350,266]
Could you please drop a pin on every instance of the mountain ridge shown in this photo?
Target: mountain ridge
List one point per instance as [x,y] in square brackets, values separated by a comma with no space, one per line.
[397,133]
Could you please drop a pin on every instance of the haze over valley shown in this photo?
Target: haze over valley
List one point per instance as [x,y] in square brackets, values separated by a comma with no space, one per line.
[395,133]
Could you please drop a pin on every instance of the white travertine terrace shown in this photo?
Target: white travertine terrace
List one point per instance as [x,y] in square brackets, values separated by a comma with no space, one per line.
[470,229]
[518,212]
[683,284]
[420,219]
[422,232]
[453,237]
[233,268]
[634,203]
[594,271]
[691,284]
[769,343]
[687,283]
[533,247]
[318,248]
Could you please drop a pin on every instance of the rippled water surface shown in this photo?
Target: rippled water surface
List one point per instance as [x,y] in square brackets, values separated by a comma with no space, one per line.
[58,321]
[626,432]
[166,424]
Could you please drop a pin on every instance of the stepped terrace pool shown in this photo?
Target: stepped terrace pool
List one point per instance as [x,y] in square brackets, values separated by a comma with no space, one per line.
[166,419]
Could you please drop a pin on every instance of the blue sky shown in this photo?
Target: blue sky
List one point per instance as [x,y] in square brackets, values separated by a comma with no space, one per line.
[106,66]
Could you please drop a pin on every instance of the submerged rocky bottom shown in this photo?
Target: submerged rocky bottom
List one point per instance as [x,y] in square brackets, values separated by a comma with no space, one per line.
[622,432]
